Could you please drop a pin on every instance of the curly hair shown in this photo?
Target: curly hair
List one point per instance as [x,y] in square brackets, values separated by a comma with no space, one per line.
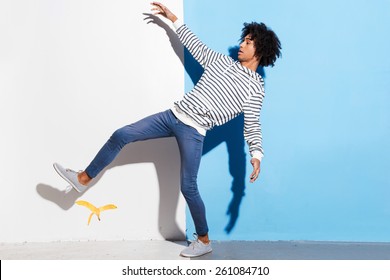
[267,44]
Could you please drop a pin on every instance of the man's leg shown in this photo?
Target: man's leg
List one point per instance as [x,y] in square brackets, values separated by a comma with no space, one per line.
[154,126]
[191,145]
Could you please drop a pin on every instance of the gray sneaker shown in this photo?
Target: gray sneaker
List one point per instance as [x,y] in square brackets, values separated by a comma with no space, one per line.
[70,176]
[196,249]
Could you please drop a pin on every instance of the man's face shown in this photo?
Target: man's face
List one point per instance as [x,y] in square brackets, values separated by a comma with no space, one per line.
[247,50]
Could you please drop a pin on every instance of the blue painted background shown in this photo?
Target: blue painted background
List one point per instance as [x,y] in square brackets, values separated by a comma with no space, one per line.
[325,121]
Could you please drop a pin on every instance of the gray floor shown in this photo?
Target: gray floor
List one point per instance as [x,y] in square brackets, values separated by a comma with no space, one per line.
[238,250]
[166,250]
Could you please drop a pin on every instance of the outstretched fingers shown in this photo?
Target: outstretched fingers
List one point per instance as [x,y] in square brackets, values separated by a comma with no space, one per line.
[158,7]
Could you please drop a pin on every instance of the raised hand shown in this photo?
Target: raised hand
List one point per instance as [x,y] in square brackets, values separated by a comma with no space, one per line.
[164,11]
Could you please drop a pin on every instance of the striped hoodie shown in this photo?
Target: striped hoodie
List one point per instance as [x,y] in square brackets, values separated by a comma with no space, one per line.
[225,90]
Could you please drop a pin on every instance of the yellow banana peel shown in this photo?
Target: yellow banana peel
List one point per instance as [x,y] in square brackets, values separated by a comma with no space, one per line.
[95,210]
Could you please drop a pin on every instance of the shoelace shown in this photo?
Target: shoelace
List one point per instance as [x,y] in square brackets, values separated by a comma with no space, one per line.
[70,170]
[193,242]
[69,188]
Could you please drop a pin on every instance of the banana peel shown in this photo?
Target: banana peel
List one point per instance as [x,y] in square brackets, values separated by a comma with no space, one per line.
[95,210]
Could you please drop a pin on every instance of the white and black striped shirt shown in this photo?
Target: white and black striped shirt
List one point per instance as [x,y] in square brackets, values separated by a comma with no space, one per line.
[225,90]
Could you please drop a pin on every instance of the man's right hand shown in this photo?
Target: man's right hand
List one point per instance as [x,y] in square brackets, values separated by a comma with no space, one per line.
[164,11]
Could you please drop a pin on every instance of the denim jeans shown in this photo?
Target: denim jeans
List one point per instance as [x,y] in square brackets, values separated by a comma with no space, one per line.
[159,125]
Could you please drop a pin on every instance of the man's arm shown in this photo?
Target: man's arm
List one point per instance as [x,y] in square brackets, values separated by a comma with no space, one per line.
[252,132]
[198,50]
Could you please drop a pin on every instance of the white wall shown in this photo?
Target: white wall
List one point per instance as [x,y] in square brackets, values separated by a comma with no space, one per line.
[71,72]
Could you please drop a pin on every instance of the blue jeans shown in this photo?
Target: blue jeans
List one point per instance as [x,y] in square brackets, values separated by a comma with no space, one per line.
[190,142]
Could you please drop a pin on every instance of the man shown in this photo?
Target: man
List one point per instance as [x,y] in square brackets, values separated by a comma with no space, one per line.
[226,89]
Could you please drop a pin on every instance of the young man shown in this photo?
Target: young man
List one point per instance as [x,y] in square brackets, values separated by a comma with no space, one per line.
[226,89]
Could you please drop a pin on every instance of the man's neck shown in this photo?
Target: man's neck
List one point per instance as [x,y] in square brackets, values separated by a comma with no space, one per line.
[253,64]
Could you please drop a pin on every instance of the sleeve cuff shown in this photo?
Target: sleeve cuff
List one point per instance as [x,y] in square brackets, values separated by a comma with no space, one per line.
[257,154]
[178,23]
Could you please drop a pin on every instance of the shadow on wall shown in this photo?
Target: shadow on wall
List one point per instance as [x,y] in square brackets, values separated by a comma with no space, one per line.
[167,174]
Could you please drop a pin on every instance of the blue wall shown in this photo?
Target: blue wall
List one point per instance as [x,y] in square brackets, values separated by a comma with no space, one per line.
[325,120]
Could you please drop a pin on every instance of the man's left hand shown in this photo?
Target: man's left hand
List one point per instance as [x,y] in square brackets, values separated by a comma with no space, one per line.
[256,169]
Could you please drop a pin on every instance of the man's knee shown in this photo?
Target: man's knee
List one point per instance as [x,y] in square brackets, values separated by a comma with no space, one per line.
[189,189]
[120,137]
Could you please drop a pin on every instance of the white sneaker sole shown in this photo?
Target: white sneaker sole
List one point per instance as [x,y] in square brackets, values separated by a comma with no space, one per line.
[194,256]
